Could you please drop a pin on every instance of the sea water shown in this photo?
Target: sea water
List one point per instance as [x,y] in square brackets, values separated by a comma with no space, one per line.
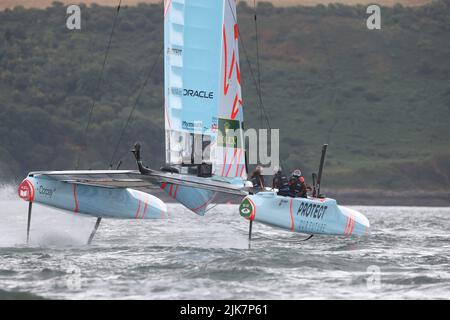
[187,256]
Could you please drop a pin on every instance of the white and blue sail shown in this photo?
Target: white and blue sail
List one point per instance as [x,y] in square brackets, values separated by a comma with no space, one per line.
[202,85]
[203,97]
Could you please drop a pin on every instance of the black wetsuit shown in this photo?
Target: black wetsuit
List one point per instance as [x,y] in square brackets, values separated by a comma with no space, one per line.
[257,180]
[281,183]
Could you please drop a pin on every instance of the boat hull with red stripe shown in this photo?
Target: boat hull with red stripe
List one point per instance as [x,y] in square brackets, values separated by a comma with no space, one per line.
[304,215]
[97,201]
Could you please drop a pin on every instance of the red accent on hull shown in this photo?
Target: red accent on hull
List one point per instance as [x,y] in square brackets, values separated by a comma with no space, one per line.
[75,198]
[175,193]
[26,190]
[145,209]
[253,214]
[204,204]
[292,217]
[138,209]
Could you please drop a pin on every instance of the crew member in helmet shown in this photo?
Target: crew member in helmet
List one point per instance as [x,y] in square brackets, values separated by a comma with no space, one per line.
[297,185]
[280,182]
[257,179]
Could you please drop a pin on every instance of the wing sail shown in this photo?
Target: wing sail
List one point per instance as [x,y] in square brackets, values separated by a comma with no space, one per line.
[203,86]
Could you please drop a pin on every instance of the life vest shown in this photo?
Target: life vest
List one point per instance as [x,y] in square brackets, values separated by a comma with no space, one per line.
[280,181]
[297,188]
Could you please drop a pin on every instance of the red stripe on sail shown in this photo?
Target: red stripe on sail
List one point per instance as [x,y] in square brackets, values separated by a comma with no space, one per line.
[235,109]
[238,73]
[231,163]
[224,163]
[238,162]
[242,170]
[233,58]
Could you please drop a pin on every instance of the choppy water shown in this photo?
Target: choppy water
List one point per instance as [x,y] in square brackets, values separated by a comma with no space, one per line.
[191,257]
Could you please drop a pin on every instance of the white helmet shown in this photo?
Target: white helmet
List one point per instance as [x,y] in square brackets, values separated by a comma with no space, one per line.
[297,173]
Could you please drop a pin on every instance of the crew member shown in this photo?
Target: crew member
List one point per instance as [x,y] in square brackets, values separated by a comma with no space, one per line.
[257,179]
[297,185]
[280,182]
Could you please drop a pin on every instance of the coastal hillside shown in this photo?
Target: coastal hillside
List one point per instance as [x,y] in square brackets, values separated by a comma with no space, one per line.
[380,98]
[47,3]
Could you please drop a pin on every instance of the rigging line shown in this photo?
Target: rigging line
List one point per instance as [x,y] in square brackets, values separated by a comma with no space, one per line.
[257,60]
[99,81]
[130,115]
[250,67]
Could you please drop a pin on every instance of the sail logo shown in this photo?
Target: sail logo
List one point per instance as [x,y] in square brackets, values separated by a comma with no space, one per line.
[174,51]
[191,125]
[191,93]
[46,192]
[176,91]
[198,93]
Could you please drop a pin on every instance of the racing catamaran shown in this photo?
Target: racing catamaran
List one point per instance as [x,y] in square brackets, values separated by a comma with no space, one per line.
[203,99]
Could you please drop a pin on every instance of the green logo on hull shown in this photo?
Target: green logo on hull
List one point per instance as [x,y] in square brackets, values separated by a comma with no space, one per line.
[246,208]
